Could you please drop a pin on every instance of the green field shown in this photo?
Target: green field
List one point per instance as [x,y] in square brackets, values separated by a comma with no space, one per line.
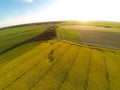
[62,63]
[13,36]
[68,34]
[103,36]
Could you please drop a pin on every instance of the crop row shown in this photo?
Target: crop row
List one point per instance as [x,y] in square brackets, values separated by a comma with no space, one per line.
[56,65]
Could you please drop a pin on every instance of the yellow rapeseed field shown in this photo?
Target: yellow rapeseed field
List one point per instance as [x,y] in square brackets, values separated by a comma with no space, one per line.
[60,65]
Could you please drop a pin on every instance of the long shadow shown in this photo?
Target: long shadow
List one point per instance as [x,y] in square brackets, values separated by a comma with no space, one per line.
[49,34]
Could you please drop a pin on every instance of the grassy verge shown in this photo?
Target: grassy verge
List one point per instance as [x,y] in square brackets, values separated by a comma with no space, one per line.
[68,34]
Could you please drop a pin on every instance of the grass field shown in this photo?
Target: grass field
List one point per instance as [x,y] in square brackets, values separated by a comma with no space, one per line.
[68,34]
[60,62]
[13,36]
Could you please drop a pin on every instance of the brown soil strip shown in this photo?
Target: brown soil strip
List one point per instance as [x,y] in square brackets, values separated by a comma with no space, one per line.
[100,38]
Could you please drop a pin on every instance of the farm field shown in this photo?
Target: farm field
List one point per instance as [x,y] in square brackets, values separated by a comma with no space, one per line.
[60,65]
[97,36]
[69,35]
[12,36]
[60,56]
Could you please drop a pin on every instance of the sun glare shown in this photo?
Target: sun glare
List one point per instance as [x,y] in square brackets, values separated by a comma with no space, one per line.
[83,10]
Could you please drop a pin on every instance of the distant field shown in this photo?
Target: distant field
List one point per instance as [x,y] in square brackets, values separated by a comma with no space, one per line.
[16,35]
[68,55]
[98,36]
[68,34]
[60,65]
[91,28]
[103,39]
[105,24]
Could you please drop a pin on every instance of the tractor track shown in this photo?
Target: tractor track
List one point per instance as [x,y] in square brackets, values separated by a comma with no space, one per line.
[48,70]
[18,65]
[88,72]
[107,73]
[68,71]
[24,73]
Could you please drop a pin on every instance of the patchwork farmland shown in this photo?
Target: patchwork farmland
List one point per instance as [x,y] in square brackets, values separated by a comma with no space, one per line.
[97,36]
[57,62]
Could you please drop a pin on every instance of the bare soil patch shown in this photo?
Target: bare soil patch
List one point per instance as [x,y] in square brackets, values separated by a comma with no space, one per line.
[100,38]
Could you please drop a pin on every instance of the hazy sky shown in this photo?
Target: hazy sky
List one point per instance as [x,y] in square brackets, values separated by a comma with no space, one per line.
[26,11]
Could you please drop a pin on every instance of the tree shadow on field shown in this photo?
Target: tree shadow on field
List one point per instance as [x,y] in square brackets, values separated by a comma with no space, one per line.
[49,34]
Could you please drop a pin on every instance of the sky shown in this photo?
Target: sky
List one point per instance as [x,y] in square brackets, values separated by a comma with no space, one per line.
[13,12]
